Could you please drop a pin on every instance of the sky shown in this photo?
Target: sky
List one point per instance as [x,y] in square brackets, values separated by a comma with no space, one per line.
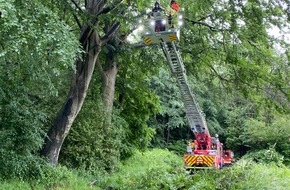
[283,34]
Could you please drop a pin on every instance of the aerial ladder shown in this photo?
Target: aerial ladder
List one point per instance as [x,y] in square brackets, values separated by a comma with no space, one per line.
[205,151]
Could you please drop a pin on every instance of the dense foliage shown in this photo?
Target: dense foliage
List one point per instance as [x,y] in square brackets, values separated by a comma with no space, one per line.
[161,169]
[36,51]
[238,72]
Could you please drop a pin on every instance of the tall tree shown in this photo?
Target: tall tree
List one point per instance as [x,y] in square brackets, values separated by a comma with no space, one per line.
[91,40]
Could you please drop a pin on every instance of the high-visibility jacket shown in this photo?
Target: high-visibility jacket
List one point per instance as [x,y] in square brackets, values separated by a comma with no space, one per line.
[175,6]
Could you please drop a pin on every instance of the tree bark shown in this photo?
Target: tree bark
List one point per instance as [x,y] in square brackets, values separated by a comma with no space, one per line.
[109,75]
[91,43]
[78,91]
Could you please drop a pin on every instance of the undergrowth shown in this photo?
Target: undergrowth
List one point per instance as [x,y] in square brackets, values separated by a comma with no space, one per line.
[161,169]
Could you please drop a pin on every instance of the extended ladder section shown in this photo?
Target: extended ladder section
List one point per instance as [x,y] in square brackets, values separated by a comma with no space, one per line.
[193,112]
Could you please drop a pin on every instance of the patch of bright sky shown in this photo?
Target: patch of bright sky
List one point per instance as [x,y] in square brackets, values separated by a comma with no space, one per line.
[282,34]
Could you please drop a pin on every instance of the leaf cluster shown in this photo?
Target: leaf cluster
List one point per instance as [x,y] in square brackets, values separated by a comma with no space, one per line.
[36,50]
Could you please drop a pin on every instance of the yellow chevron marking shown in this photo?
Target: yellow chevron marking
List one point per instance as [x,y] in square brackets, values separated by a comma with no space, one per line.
[172,37]
[197,159]
[147,40]
[190,160]
[208,160]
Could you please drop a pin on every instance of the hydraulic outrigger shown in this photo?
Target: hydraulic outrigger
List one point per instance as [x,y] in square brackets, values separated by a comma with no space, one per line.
[207,151]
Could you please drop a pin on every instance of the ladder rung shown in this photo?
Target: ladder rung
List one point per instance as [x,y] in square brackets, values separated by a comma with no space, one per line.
[196,120]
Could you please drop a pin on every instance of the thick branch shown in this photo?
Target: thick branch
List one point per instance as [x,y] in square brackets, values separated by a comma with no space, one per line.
[111,31]
[85,35]
[77,20]
[114,27]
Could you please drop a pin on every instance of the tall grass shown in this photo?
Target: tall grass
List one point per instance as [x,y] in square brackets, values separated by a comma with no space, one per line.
[156,169]
[161,169]
[244,175]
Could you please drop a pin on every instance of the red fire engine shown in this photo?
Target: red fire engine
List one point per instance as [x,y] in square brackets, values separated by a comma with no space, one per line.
[163,29]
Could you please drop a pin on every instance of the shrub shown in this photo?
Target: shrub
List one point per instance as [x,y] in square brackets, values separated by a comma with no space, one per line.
[32,169]
[178,147]
[155,169]
[266,156]
[23,167]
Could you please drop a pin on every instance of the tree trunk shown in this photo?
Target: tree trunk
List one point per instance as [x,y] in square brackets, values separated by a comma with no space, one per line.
[74,101]
[91,43]
[108,86]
